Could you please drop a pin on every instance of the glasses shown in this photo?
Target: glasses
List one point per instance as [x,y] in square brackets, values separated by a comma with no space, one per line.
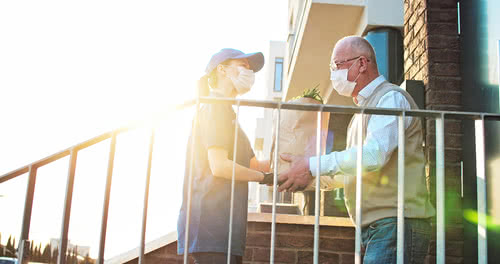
[335,65]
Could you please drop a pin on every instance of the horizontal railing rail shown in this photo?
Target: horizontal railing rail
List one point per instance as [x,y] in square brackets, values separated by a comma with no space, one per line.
[439,116]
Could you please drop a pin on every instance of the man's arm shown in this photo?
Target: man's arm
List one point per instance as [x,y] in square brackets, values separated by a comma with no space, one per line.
[380,142]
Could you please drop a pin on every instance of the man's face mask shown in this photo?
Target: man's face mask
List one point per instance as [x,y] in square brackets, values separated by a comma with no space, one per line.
[244,81]
[340,83]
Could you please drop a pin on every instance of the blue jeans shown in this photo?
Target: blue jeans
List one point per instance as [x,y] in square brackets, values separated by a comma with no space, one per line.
[379,239]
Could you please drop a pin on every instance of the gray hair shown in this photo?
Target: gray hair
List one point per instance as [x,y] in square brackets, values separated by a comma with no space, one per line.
[359,46]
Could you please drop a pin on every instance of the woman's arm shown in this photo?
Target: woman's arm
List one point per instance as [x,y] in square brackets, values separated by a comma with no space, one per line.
[221,166]
[260,165]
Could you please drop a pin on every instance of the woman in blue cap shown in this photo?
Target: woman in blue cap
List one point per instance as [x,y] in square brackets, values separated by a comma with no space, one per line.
[229,73]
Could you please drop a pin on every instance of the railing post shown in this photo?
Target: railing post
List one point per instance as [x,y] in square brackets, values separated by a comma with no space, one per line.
[142,246]
[482,209]
[235,149]
[28,206]
[190,182]
[401,188]
[63,241]
[359,196]
[107,193]
[440,189]
[275,185]
[317,191]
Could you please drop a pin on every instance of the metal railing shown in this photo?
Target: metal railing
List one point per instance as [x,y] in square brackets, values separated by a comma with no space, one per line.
[439,117]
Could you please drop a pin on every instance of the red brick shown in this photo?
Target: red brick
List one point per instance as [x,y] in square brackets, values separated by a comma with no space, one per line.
[412,20]
[442,15]
[408,64]
[170,249]
[452,155]
[444,69]
[338,245]
[443,42]
[407,75]
[407,38]
[248,254]
[306,257]
[442,3]
[336,232]
[286,256]
[419,50]
[424,59]
[442,29]
[420,75]
[451,141]
[288,241]
[407,15]
[440,97]
[421,35]
[347,259]
[414,70]
[453,248]
[454,233]
[450,126]
[412,46]
[286,228]
[259,226]
[421,8]
[443,107]
[443,55]
[440,83]
[448,260]
[259,240]
[419,24]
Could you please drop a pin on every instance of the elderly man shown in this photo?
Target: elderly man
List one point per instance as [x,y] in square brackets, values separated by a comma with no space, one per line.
[354,73]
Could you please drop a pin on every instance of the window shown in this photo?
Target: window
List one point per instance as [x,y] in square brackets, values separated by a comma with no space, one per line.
[278,74]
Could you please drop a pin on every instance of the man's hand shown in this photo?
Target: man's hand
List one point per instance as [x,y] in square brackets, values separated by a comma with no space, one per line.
[297,176]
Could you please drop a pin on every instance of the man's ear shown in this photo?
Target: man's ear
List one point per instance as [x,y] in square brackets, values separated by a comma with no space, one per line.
[363,64]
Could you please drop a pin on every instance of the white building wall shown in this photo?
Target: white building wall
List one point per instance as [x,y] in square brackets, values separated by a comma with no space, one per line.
[264,127]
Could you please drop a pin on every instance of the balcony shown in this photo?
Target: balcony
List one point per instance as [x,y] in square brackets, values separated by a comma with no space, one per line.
[271,237]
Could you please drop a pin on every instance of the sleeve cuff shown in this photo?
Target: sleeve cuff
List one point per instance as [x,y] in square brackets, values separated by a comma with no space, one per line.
[327,164]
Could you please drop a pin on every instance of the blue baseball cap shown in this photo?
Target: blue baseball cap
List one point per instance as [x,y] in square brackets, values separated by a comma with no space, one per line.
[255,60]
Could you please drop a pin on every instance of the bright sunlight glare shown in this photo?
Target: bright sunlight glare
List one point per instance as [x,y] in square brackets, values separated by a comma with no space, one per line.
[70,71]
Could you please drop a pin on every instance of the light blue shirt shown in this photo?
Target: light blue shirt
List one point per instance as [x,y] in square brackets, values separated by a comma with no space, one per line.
[381,137]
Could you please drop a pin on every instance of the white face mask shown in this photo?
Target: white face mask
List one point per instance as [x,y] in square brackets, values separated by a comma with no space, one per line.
[340,83]
[244,81]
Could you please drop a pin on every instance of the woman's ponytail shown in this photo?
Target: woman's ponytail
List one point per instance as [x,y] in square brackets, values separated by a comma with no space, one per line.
[203,89]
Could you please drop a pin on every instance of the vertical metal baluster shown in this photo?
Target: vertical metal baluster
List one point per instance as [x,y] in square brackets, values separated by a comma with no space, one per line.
[63,242]
[107,192]
[359,178]
[190,182]
[235,149]
[317,191]
[440,189]
[28,205]
[142,246]
[482,239]
[275,185]
[401,188]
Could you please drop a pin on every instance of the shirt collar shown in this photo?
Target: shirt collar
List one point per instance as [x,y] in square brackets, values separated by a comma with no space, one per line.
[368,89]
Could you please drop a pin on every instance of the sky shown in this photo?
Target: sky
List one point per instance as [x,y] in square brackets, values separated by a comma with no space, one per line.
[72,70]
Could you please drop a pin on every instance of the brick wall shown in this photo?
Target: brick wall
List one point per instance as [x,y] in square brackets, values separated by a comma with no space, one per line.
[294,244]
[432,55]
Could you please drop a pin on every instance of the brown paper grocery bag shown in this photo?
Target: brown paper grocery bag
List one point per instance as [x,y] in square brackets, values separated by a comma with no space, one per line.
[298,130]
